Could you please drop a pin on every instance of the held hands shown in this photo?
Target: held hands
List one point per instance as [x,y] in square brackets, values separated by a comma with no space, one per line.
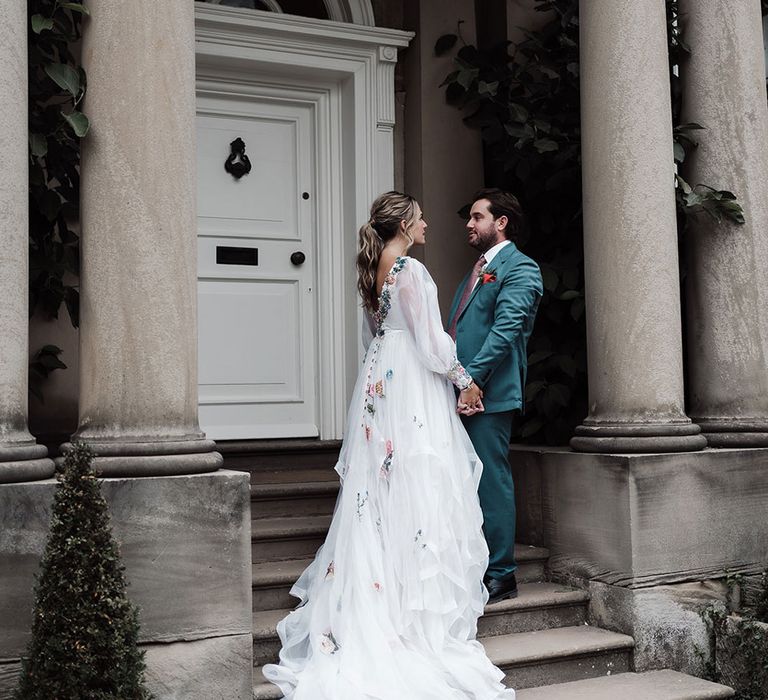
[470,401]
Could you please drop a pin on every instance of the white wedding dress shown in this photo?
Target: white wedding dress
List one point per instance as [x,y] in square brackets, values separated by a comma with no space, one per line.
[390,603]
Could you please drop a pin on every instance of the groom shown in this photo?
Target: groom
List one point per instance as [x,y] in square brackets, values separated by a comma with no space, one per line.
[491,320]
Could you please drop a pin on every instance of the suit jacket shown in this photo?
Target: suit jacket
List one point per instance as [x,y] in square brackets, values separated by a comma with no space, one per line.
[493,330]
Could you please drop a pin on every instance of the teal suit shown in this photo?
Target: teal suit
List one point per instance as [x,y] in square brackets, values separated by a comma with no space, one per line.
[491,338]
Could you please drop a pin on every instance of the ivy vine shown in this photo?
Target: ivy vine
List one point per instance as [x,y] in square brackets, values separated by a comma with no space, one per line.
[739,651]
[525,100]
[57,86]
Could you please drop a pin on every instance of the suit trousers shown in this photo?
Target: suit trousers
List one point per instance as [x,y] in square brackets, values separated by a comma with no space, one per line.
[490,434]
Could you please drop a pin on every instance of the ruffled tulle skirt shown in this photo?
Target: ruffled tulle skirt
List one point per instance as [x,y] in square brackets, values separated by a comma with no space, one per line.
[389,605]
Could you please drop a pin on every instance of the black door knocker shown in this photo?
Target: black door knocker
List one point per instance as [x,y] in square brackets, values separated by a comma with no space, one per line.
[238,164]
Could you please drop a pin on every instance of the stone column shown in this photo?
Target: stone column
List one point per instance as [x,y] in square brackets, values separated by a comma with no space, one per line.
[727,283]
[21,459]
[630,240]
[138,336]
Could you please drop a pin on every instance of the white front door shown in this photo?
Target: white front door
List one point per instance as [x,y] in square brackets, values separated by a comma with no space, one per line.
[257,269]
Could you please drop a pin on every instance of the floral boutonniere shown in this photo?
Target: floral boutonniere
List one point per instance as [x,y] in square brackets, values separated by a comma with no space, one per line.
[487,276]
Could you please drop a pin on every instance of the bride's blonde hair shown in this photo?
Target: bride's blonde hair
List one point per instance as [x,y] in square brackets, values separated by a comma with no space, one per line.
[387,211]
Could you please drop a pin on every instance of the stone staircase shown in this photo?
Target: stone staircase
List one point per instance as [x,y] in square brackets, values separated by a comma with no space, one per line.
[541,639]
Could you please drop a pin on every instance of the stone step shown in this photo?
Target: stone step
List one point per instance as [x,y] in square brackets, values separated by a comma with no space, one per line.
[273,578]
[539,606]
[652,685]
[531,563]
[532,659]
[284,455]
[270,500]
[287,538]
[294,476]
[560,655]
[262,688]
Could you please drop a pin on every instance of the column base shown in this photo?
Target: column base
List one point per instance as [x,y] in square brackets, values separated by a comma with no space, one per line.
[618,438]
[159,458]
[28,462]
[735,433]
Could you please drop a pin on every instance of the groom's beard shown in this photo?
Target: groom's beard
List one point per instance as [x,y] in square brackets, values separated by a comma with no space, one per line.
[483,240]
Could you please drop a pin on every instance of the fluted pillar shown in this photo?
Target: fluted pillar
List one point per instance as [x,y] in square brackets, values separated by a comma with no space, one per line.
[727,283]
[138,334]
[21,459]
[630,242]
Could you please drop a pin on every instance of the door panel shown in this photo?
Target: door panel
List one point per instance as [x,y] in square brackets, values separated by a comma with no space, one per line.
[257,335]
[262,203]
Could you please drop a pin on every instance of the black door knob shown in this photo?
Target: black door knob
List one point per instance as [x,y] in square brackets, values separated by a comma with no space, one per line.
[298,258]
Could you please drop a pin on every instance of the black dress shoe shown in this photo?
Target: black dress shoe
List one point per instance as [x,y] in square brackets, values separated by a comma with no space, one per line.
[501,589]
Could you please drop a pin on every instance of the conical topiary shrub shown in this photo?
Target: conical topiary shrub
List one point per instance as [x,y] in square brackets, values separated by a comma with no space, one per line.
[84,630]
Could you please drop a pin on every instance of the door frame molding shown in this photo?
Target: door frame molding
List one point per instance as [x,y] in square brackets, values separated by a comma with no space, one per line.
[349,69]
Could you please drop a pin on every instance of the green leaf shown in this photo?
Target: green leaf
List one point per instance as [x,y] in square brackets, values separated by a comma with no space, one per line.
[466,77]
[445,43]
[570,294]
[684,186]
[549,276]
[519,132]
[40,23]
[560,394]
[554,75]
[64,76]
[449,78]
[484,88]
[38,145]
[517,112]
[567,364]
[690,126]
[545,145]
[539,356]
[79,123]
[679,152]
[533,388]
[50,205]
[577,309]
[76,7]
[571,277]
[531,427]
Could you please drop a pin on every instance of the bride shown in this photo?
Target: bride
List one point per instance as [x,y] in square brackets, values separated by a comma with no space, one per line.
[389,605]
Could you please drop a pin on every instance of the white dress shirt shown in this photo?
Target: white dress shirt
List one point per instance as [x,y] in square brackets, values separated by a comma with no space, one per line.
[490,254]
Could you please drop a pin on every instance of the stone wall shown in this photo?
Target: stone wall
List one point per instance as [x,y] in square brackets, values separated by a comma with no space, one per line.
[185,542]
[652,537]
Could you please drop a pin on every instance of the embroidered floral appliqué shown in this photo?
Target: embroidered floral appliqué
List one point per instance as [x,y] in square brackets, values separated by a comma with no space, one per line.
[385,300]
[361,501]
[386,466]
[328,643]
[458,375]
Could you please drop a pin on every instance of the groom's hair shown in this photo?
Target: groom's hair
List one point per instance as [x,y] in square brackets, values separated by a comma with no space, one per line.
[503,204]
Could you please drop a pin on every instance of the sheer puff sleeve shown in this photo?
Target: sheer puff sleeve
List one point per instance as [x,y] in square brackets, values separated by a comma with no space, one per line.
[417,297]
